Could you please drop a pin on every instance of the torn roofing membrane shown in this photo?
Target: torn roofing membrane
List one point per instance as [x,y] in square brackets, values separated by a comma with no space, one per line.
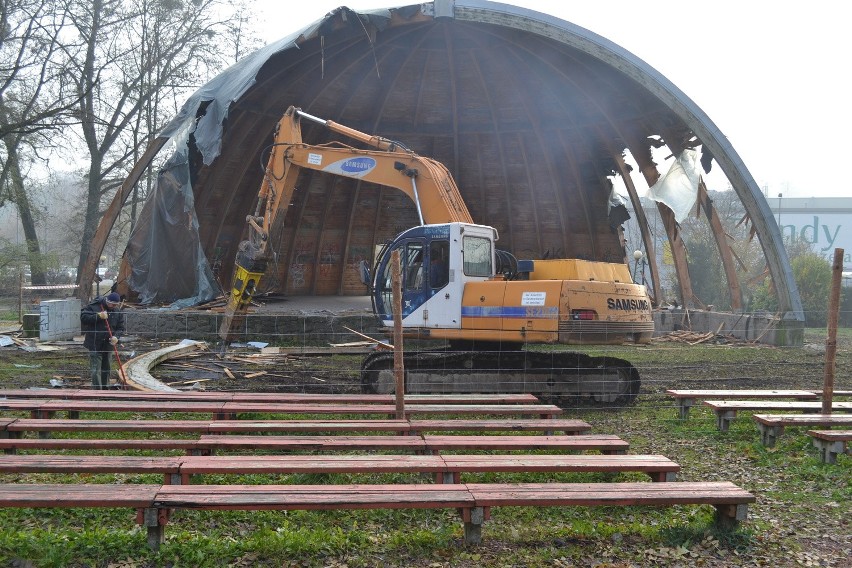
[167,261]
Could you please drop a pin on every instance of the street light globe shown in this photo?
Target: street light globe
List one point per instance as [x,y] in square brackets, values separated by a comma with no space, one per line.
[637,255]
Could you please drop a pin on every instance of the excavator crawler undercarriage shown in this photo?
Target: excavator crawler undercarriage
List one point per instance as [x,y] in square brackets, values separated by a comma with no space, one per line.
[564,378]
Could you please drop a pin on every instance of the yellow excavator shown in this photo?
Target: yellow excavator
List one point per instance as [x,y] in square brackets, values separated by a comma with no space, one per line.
[484,305]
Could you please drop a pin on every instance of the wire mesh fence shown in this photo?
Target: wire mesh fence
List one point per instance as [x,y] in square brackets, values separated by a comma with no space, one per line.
[325,351]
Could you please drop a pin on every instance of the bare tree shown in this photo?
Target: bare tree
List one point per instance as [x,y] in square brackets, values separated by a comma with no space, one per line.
[34,99]
[138,54]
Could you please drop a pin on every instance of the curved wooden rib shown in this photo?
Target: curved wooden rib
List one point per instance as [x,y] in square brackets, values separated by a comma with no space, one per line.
[137,369]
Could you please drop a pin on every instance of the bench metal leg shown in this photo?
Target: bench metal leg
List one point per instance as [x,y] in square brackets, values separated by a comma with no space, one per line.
[724,419]
[769,434]
[828,449]
[728,517]
[473,518]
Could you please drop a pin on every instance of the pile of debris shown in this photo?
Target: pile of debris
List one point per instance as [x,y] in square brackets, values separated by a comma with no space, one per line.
[695,338]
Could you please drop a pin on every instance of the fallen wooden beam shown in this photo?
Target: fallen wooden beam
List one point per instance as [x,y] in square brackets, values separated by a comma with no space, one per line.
[137,370]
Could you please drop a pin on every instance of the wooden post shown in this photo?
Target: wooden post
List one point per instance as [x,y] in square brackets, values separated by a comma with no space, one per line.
[20,296]
[398,366]
[831,338]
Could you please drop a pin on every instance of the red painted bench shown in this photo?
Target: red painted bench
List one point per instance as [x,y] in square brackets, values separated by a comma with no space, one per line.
[46,408]
[686,397]
[300,398]
[726,410]
[427,443]
[831,443]
[474,501]
[446,469]
[772,426]
[15,427]
[211,442]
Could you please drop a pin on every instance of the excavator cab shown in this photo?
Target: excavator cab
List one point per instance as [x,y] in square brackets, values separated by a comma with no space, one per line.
[436,262]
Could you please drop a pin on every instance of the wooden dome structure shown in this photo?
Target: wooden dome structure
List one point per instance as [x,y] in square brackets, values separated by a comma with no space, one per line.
[533,116]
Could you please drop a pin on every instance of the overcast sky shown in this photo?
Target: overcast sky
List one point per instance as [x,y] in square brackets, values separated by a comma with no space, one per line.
[771,75]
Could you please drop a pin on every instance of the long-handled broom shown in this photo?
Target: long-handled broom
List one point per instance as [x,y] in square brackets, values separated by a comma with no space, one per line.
[117,358]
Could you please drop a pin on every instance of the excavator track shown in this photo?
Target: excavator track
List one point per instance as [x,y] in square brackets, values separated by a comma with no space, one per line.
[564,378]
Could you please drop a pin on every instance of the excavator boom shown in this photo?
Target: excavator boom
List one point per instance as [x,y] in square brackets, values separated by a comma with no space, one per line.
[426,181]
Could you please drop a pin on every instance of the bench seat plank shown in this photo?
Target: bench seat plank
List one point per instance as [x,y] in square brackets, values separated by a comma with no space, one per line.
[286,443]
[30,463]
[221,396]
[659,468]
[13,444]
[91,425]
[399,463]
[77,495]
[603,442]
[46,408]
[203,426]
[19,425]
[210,442]
[594,494]
[566,425]
[312,497]
[741,393]
[542,410]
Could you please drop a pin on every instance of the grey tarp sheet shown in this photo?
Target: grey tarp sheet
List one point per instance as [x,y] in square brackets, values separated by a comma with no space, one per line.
[168,264]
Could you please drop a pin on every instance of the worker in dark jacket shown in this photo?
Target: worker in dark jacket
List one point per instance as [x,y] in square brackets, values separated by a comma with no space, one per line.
[102,324]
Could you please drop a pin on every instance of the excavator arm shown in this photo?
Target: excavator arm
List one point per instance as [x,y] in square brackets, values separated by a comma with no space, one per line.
[427,182]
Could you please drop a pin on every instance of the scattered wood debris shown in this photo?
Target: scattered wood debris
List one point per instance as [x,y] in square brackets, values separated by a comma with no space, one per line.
[694,338]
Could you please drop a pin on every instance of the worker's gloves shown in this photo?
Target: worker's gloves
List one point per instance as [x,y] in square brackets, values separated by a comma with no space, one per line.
[103,315]
[113,340]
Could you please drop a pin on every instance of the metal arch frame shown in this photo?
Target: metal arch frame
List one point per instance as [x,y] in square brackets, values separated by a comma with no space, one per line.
[769,235]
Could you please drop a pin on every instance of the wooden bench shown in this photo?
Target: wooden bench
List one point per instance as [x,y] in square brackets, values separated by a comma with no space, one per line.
[686,397]
[772,426]
[154,503]
[835,392]
[208,443]
[427,443]
[15,427]
[831,443]
[168,466]
[548,425]
[222,396]
[46,408]
[726,410]
[12,445]
[445,469]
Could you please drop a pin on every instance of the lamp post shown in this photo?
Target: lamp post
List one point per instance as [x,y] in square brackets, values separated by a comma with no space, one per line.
[779,213]
[637,256]
[101,260]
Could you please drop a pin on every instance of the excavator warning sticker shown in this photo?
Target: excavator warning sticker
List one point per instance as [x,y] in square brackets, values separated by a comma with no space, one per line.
[533,298]
[314,159]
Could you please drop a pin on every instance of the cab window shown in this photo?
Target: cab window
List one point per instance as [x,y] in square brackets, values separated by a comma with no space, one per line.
[477,256]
